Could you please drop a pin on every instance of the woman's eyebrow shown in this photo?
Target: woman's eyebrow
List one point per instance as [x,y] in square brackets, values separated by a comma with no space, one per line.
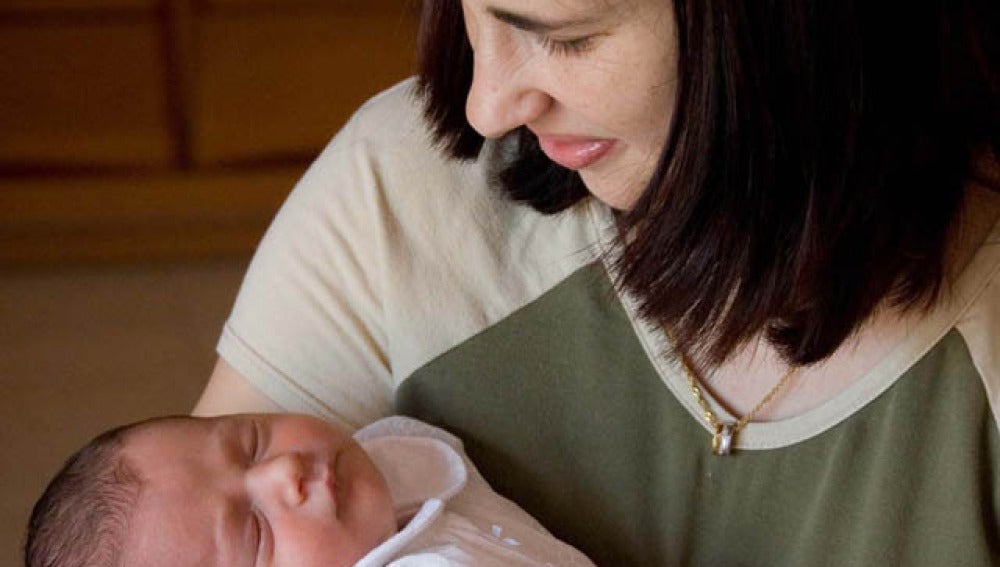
[536,25]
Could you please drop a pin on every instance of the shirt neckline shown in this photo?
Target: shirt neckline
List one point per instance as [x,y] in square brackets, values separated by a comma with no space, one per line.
[970,284]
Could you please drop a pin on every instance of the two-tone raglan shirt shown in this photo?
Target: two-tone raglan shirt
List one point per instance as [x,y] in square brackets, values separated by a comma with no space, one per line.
[396,280]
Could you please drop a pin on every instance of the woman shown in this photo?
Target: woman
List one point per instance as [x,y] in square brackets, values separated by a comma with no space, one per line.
[776,240]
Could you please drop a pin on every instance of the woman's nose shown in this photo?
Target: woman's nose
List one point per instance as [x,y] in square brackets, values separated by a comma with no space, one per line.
[280,480]
[502,96]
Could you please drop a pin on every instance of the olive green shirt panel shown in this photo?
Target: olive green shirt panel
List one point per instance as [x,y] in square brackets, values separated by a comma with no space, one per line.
[563,412]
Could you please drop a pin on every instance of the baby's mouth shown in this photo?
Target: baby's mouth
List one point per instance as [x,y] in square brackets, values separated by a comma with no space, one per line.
[330,480]
[334,482]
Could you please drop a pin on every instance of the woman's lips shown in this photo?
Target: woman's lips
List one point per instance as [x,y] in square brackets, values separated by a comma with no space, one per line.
[574,152]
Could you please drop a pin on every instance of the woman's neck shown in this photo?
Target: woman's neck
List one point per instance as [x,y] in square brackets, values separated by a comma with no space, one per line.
[745,378]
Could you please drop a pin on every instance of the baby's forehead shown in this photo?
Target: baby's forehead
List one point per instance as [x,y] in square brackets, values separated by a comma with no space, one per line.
[172,429]
[176,510]
[166,529]
[164,449]
[153,430]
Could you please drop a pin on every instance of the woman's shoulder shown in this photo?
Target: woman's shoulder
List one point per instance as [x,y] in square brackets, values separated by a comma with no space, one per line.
[391,126]
[384,172]
[386,254]
[386,153]
[393,116]
[399,102]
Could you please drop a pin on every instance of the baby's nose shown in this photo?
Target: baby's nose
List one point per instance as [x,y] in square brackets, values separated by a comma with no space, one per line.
[281,479]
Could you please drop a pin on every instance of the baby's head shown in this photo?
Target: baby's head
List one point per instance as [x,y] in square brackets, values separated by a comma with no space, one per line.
[248,490]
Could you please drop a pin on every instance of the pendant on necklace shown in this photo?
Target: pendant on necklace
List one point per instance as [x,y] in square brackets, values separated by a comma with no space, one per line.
[722,441]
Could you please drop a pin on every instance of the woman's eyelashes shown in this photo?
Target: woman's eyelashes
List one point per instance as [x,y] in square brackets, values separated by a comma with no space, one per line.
[566,47]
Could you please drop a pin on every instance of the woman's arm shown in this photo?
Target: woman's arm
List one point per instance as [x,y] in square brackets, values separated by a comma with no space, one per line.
[320,304]
[228,391]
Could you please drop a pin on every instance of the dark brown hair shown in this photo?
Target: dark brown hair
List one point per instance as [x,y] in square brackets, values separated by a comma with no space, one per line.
[82,517]
[816,162]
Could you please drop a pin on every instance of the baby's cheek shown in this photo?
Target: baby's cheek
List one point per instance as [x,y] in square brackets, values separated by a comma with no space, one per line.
[364,506]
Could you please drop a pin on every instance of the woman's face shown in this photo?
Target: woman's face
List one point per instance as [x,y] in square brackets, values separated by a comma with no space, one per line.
[593,79]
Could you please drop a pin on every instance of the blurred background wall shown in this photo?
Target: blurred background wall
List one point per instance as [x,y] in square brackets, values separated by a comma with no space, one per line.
[133,129]
[144,147]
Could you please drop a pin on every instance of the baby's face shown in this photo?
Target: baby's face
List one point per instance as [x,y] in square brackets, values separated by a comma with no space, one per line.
[254,491]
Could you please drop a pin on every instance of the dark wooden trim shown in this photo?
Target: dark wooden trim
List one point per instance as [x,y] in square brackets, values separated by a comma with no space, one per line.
[179,49]
[138,218]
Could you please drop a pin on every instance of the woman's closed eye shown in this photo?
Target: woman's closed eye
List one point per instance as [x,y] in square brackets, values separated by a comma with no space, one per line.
[566,47]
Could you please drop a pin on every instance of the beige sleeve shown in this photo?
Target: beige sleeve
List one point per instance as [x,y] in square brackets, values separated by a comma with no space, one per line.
[385,256]
[307,326]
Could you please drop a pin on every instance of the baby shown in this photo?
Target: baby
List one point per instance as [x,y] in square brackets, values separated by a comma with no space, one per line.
[280,490]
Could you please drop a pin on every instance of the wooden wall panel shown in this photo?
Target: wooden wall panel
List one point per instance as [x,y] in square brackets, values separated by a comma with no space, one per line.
[138,130]
[138,217]
[277,83]
[25,7]
[83,92]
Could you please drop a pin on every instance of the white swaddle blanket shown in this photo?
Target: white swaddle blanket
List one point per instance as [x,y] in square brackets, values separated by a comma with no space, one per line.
[452,516]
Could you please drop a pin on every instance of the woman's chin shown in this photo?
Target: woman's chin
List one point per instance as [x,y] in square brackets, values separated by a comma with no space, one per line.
[617,196]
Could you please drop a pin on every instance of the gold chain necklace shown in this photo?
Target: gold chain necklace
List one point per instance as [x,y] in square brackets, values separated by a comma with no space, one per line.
[725,432]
